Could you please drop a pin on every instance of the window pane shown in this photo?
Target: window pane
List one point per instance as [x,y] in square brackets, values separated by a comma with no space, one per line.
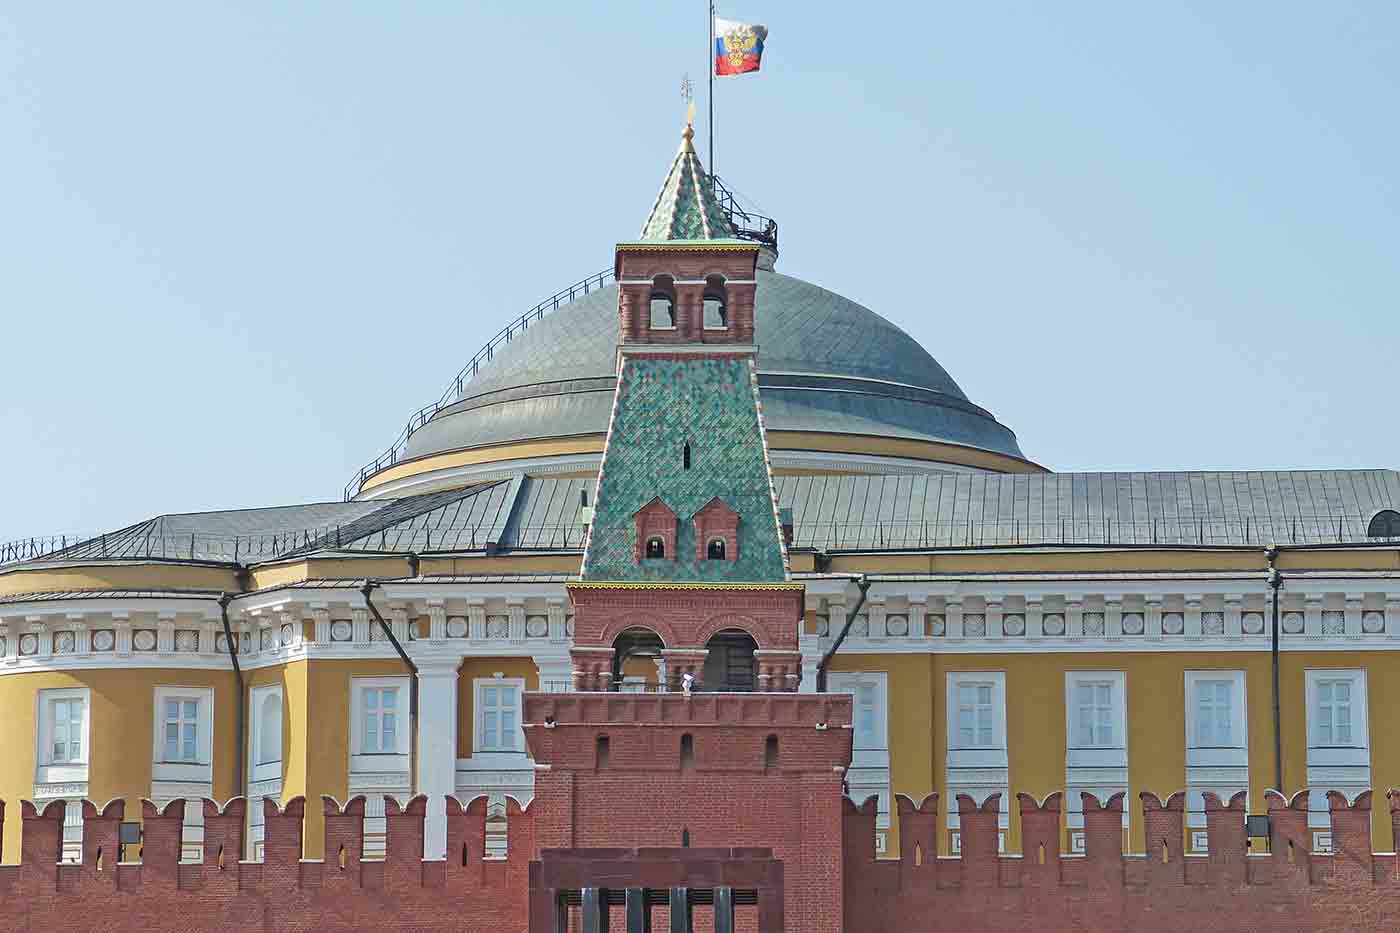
[965,735]
[371,742]
[1085,694]
[60,750]
[172,709]
[371,699]
[388,729]
[984,695]
[509,695]
[1324,692]
[1103,695]
[489,738]
[391,698]
[1343,733]
[191,710]
[488,697]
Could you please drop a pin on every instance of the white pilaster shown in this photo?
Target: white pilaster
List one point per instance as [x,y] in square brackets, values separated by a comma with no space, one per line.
[321,625]
[437,748]
[437,620]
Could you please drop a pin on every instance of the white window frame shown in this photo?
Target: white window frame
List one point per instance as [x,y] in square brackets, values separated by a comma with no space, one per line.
[1100,769]
[260,770]
[360,758]
[1116,681]
[1345,768]
[479,711]
[1221,769]
[264,777]
[870,761]
[1360,726]
[977,770]
[180,769]
[44,702]
[996,680]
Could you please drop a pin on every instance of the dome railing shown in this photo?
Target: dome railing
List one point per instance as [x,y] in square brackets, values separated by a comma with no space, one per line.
[457,386]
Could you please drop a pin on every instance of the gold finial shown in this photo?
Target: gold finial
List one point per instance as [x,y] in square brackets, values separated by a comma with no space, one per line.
[690,116]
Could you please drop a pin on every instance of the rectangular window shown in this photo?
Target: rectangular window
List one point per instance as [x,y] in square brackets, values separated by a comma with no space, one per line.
[66,726]
[1333,706]
[1094,714]
[869,774]
[977,759]
[1214,713]
[380,710]
[1096,759]
[1217,753]
[976,715]
[497,715]
[1339,740]
[181,729]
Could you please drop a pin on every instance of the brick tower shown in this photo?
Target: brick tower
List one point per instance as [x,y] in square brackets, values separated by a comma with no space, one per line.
[725,799]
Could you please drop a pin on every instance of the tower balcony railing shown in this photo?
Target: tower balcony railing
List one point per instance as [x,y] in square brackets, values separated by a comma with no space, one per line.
[748,225]
[399,448]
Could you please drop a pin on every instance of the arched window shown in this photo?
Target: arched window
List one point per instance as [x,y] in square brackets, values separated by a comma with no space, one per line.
[656,549]
[1385,524]
[770,754]
[270,729]
[663,302]
[715,549]
[716,304]
[730,665]
[687,752]
[685,456]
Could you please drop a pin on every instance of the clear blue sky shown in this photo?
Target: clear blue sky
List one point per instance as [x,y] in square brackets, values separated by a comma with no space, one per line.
[241,245]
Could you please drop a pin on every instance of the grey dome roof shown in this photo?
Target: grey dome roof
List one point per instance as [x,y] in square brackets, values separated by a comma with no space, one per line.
[825,364]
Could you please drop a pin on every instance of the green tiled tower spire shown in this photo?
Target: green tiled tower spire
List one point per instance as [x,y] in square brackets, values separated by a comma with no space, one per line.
[664,403]
[686,208]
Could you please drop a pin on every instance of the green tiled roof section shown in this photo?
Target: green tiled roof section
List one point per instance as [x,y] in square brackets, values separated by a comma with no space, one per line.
[661,404]
[686,208]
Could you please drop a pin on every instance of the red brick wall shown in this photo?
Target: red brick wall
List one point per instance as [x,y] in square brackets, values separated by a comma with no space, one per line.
[1352,889]
[157,893]
[685,617]
[1104,891]
[728,795]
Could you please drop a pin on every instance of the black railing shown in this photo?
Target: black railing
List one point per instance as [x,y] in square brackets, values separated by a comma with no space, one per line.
[138,542]
[454,389]
[747,224]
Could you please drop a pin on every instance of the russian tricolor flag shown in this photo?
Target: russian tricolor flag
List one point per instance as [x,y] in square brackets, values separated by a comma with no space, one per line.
[738,47]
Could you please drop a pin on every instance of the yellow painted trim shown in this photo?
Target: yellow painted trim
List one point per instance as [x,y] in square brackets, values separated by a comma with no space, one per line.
[566,563]
[111,576]
[909,448]
[524,450]
[863,444]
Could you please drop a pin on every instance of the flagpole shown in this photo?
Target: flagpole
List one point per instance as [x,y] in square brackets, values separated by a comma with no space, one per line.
[710,58]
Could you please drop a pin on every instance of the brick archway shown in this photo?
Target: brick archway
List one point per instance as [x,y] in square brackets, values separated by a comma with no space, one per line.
[639,620]
[732,622]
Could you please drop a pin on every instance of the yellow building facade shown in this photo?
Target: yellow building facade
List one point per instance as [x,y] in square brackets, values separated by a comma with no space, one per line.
[1003,629]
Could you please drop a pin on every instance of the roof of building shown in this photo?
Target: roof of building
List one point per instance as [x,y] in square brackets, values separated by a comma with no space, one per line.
[686,208]
[835,512]
[825,364]
[1185,508]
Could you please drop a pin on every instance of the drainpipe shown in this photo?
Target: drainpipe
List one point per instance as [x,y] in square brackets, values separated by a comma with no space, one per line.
[412,685]
[863,584]
[1275,582]
[239,708]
